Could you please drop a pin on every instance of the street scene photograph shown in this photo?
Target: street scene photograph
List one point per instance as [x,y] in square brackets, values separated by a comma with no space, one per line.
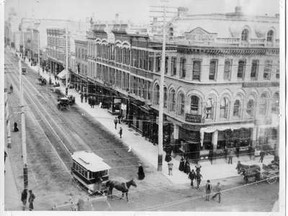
[137,106]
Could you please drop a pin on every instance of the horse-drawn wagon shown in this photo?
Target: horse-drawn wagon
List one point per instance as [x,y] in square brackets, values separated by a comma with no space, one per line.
[63,103]
[42,81]
[271,175]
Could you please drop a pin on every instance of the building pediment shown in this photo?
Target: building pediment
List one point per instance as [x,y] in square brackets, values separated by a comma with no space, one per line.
[199,34]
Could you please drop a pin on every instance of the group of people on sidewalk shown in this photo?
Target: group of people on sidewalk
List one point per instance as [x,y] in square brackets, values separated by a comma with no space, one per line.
[31,199]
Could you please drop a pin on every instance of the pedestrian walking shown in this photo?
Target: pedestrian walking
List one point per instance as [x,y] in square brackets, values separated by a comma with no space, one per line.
[170,168]
[230,156]
[81,96]
[262,154]
[5,156]
[192,176]
[11,88]
[198,168]
[93,102]
[31,200]
[217,192]
[168,157]
[115,122]
[181,164]
[211,155]
[226,153]
[90,101]
[119,118]
[198,179]
[16,127]
[237,151]
[24,195]
[208,189]
[250,151]
[141,174]
[120,132]
[187,167]
[86,97]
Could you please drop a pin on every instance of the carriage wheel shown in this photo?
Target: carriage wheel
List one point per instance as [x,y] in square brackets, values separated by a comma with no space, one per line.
[272,180]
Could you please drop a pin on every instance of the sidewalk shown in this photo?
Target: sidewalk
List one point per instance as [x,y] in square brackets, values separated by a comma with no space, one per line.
[12,195]
[148,153]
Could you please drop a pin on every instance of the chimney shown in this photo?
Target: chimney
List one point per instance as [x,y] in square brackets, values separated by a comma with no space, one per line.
[116,17]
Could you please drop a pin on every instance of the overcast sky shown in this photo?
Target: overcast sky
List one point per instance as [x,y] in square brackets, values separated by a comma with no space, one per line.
[135,10]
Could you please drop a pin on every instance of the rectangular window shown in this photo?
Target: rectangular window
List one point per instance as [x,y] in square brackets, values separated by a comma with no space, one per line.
[277,71]
[151,61]
[254,69]
[158,64]
[241,69]
[196,70]
[166,64]
[227,69]
[267,69]
[182,67]
[173,66]
[213,69]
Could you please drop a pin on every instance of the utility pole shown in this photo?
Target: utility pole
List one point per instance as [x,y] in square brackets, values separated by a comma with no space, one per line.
[23,130]
[7,118]
[161,95]
[66,60]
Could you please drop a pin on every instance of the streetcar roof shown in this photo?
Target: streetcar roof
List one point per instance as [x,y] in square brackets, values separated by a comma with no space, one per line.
[90,161]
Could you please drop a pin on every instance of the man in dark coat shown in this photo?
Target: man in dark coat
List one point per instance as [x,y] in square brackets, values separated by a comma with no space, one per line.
[192,176]
[31,200]
[187,167]
[24,196]
[141,174]
[182,164]
[262,154]
[211,155]
[198,179]
[15,127]
[82,96]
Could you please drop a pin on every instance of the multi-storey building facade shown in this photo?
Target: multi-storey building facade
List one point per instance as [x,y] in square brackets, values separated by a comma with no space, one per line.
[221,80]
[56,49]
[222,83]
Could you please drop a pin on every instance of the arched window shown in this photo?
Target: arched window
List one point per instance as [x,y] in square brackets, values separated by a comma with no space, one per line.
[194,105]
[156,94]
[270,36]
[244,35]
[275,103]
[209,108]
[224,105]
[250,108]
[263,104]
[236,108]
[181,103]
[165,97]
[172,100]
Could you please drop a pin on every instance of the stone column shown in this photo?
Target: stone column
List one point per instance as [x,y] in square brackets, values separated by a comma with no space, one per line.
[254,136]
[215,139]
[176,131]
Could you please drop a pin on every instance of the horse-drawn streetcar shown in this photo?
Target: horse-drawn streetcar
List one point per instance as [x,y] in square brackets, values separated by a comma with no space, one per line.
[90,171]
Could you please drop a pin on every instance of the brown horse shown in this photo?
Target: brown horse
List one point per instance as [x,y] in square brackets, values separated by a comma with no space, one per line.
[243,167]
[121,186]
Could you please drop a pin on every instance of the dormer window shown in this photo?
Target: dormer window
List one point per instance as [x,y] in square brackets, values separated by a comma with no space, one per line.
[244,35]
[270,35]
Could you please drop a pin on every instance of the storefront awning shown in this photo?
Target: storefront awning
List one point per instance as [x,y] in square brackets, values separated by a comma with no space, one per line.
[214,128]
[62,74]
